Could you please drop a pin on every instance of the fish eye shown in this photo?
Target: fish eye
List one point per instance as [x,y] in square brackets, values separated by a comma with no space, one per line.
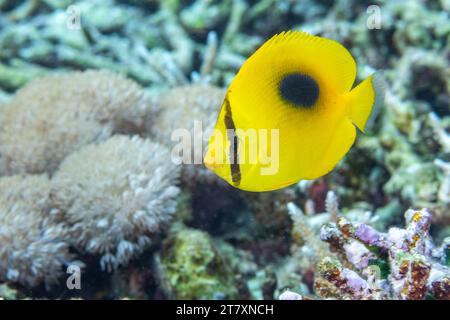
[299,89]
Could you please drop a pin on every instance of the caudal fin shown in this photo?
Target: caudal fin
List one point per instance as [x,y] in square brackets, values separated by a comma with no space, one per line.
[365,99]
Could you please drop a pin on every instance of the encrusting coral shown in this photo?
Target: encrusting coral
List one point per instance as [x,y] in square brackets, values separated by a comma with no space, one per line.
[114,196]
[32,250]
[55,115]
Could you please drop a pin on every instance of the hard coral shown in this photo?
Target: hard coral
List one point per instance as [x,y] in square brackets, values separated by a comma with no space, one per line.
[115,196]
[55,115]
[399,264]
[32,250]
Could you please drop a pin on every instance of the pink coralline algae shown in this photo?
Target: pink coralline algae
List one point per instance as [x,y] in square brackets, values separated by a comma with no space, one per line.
[400,264]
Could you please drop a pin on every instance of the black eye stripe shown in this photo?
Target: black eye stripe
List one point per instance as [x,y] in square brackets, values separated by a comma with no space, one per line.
[299,90]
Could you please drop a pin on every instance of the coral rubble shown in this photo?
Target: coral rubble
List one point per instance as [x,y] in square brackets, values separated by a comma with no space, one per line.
[399,264]
[79,81]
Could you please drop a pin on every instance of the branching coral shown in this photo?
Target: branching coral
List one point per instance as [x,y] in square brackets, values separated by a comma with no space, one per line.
[402,162]
[304,229]
[32,250]
[399,264]
[306,248]
[53,116]
[394,162]
[363,263]
[115,196]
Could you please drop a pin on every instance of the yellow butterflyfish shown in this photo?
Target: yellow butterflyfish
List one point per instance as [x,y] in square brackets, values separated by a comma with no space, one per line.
[290,113]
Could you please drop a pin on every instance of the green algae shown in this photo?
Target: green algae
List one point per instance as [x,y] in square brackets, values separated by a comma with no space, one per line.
[192,268]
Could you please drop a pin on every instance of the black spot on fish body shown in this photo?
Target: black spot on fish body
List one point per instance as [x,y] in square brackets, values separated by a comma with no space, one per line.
[299,90]
[234,143]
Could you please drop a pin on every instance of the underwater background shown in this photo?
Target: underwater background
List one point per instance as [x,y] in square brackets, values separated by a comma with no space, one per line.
[92,207]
